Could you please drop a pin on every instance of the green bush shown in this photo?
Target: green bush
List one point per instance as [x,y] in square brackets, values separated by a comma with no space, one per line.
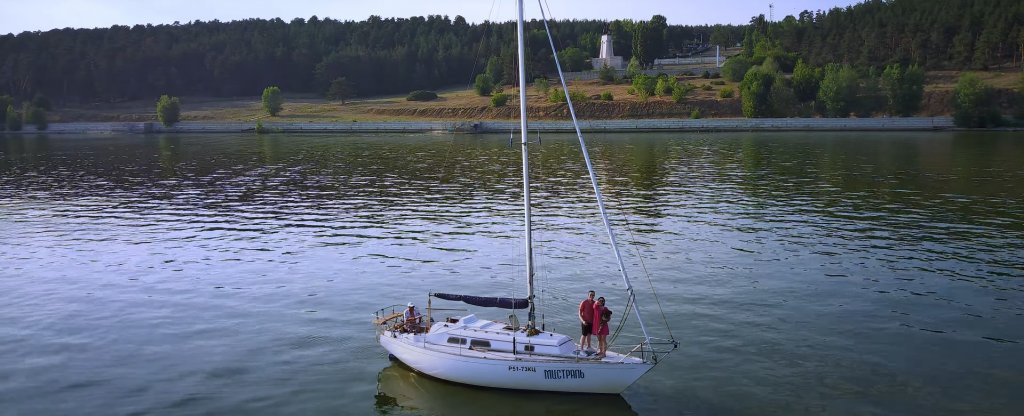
[606,74]
[421,95]
[483,85]
[726,92]
[805,81]
[496,71]
[555,95]
[706,87]
[665,85]
[607,96]
[755,92]
[903,89]
[717,82]
[578,96]
[259,127]
[768,49]
[541,84]
[783,100]
[633,68]
[558,96]
[735,69]
[5,101]
[36,116]
[770,64]
[168,110]
[13,122]
[679,94]
[340,89]
[870,99]
[499,99]
[1018,112]
[41,102]
[272,100]
[644,86]
[706,74]
[695,114]
[573,59]
[974,104]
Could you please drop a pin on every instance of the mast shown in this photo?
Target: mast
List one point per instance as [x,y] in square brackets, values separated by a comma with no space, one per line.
[526,166]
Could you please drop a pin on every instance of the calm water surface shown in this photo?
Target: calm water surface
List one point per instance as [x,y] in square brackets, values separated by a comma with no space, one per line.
[803,273]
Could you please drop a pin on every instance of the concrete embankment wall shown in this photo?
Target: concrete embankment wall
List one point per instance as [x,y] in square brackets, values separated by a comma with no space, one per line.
[708,125]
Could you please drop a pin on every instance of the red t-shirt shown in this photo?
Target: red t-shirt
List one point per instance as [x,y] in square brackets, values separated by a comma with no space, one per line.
[587,310]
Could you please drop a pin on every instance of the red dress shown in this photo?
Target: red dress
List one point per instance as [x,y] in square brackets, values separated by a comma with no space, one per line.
[600,328]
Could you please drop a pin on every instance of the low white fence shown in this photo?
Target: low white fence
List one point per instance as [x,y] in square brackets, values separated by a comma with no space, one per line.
[700,60]
[621,73]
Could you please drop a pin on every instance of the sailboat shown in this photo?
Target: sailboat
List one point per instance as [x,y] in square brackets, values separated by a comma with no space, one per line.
[471,350]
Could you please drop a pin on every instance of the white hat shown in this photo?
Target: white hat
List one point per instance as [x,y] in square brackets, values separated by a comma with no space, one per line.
[410,304]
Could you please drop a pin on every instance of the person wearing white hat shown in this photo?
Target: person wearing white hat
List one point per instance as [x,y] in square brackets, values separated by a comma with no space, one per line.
[412,319]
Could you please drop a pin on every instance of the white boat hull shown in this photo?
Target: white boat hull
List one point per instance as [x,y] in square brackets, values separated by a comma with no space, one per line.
[521,373]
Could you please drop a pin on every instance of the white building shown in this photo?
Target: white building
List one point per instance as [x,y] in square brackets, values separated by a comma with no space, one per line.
[606,56]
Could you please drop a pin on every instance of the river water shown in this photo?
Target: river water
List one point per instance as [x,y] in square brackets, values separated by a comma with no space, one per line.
[802,273]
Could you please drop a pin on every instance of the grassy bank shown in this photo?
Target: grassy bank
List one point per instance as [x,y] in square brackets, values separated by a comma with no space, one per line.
[462,103]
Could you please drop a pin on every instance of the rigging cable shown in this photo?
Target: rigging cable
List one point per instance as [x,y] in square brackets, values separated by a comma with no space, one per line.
[593,179]
[630,303]
[479,50]
[636,247]
[560,43]
[440,181]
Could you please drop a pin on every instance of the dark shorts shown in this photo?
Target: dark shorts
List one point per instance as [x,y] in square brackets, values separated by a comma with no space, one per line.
[588,328]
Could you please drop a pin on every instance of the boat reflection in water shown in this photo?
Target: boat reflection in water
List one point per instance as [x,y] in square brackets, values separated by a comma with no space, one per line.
[401,390]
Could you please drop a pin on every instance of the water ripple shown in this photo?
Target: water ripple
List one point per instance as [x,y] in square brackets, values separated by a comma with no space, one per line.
[164,273]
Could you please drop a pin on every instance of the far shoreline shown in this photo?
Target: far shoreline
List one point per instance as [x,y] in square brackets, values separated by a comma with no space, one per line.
[939,123]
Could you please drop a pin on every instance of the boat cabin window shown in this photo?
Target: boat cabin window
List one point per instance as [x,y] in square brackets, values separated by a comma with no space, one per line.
[456,340]
[528,348]
[479,343]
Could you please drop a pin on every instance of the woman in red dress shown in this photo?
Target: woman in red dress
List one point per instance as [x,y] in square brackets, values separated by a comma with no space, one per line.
[601,317]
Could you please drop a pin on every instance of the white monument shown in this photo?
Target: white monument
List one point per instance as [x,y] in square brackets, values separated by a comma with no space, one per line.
[606,57]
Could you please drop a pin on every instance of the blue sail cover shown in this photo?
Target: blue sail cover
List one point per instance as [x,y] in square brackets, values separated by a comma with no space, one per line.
[504,303]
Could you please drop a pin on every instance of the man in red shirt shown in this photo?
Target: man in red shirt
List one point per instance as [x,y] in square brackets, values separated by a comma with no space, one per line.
[587,320]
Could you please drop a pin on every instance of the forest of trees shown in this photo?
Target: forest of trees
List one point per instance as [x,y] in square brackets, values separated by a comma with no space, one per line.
[379,56]
[950,34]
[870,58]
[240,58]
